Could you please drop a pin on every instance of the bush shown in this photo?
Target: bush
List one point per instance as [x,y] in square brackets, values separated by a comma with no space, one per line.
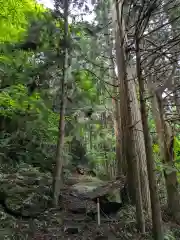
[28,128]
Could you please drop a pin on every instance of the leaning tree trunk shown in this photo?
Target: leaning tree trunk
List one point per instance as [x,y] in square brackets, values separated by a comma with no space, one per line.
[60,144]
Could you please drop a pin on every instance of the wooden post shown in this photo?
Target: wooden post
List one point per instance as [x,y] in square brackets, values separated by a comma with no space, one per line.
[98,212]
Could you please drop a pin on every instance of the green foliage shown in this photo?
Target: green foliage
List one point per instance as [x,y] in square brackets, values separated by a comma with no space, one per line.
[29,128]
[27,119]
[177,155]
[86,83]
[14,17]
[156,148]
[15,101]
[160,166]
[177,150]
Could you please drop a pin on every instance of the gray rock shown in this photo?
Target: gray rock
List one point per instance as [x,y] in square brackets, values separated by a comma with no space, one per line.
[71,229]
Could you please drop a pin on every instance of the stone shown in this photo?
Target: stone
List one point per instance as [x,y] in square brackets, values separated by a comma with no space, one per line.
[101,238]
[71,229]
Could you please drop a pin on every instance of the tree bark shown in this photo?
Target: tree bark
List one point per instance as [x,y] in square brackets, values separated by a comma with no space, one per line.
[126,119]
[155,204]
[60,143]
[139,142]
[166,139]
[117,128]
[115,99]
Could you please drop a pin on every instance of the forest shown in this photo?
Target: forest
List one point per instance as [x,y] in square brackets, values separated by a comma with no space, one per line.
[90,119]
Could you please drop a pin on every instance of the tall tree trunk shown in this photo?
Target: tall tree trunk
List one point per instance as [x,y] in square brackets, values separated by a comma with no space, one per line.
[117,128]
[155,204]
[168,136]
[166,141]
[175,33]
[123,108]
[139,142]
[116,116]
[60,143]
[126,121]
[115,90]
[177,96]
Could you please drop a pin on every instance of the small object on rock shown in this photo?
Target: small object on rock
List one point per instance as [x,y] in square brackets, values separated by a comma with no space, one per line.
[71,229]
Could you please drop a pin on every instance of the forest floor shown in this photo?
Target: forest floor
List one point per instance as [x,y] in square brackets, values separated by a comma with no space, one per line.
[29,190]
